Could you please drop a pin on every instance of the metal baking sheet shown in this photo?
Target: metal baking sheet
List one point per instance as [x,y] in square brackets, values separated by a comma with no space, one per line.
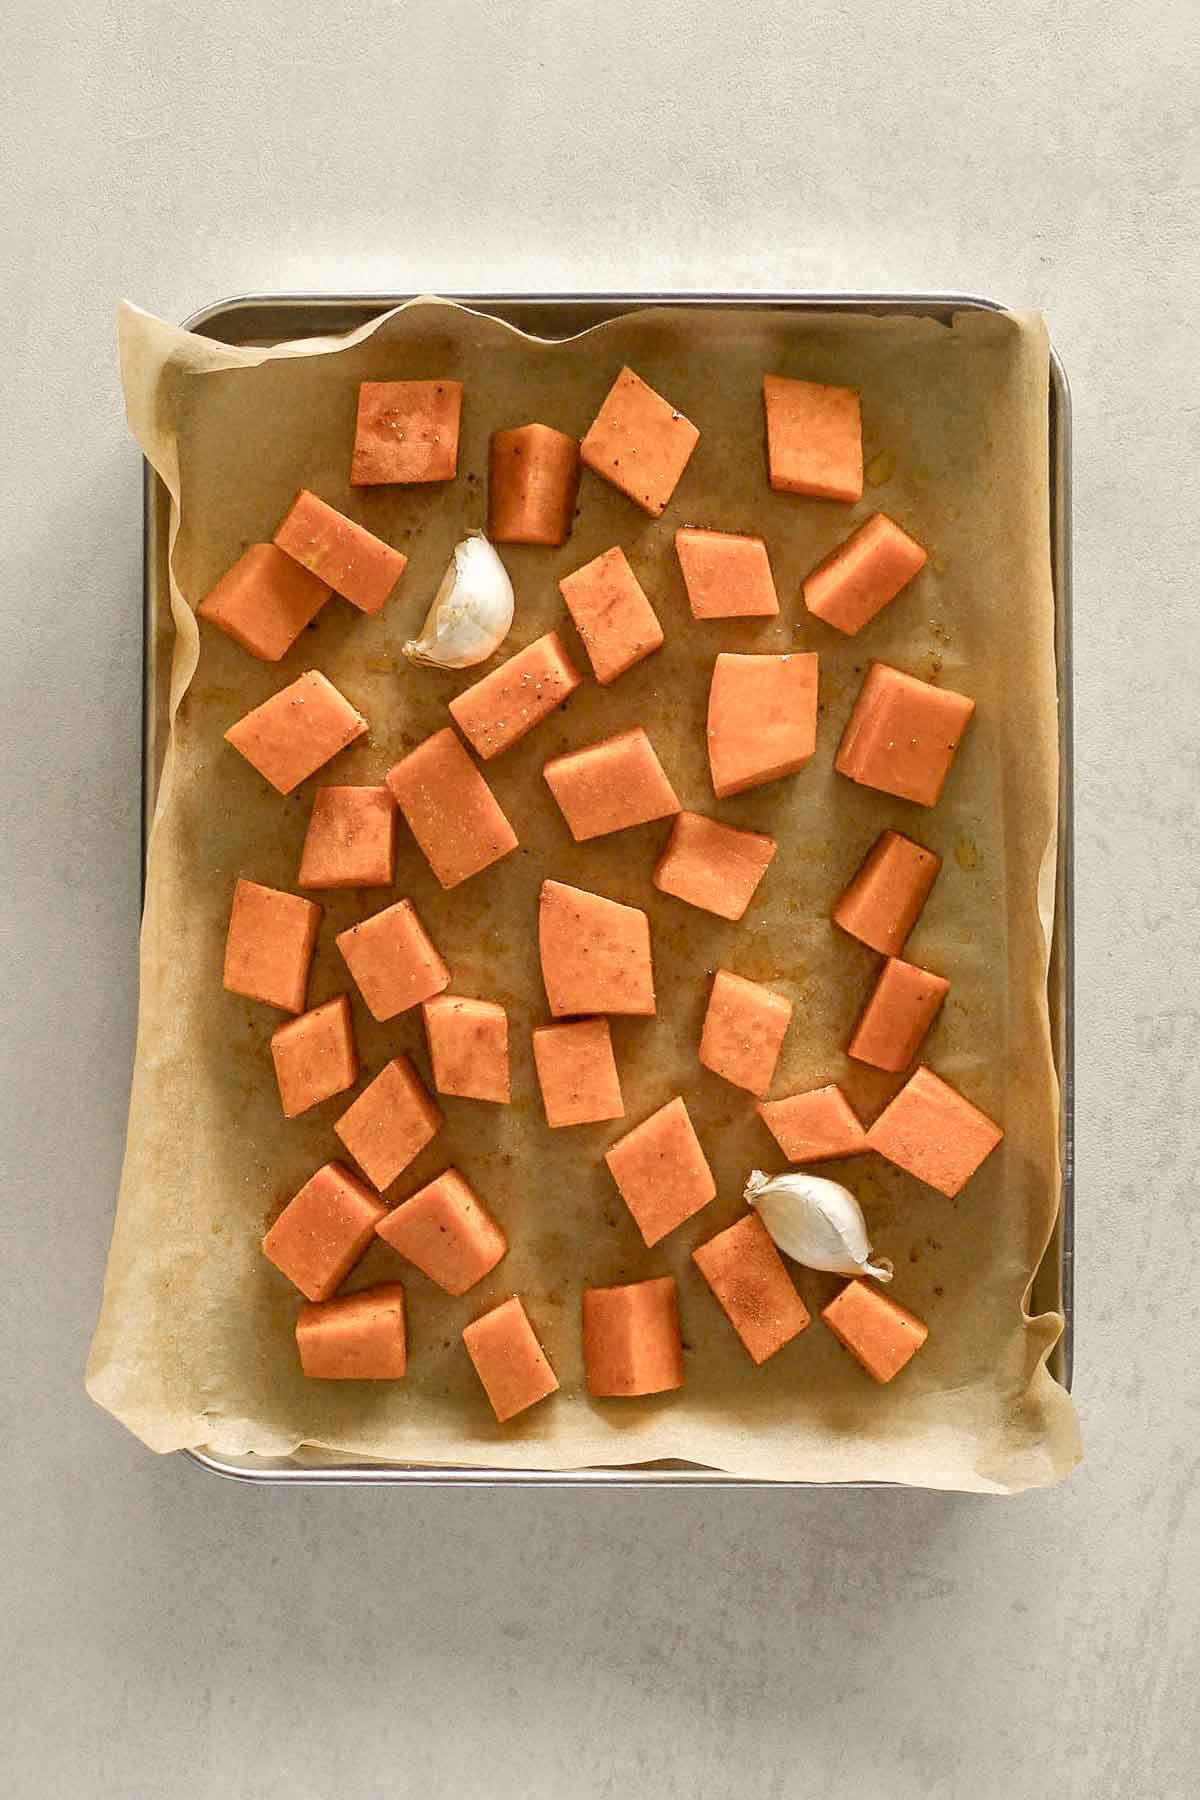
[257,319]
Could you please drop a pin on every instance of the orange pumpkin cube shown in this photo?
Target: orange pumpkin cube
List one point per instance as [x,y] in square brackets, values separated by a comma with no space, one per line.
[577,1073]
[351,839]
[632,1343]
[610,786]
[356,564]
[445,1230]
[614,619]
[639,442]
[744,1029]
[468,1047]
[355,1337]
[595,953]
[508,1359]
[902,1006]
[390,1123]
[751,1285]
[264,602]
[393,960]
[816,1126]
[314,1056]
[661,1171]
[269,946]
[716,867]
[935,1133]
[814,438]
[878,1332]
[533,479]
[762,719]
[883,902]
[863,575]
[451,811]
[291,735]
[496,712]
[727,576]
[407,431]
[902,735]
[323,1230]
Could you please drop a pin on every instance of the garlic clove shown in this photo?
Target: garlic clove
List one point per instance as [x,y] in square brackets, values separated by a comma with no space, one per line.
[816,1222]
[472,611]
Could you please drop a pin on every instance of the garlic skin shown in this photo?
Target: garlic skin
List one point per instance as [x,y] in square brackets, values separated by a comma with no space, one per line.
[472,611]
[816,1222]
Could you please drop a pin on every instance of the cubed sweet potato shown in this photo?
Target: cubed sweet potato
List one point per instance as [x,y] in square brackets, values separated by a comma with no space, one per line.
[357,565]
[639,442]
[902,735]
[533,478]
[450,809]
[407,431]
[614,619]
[498,710]
[294,733]
[762,719]
[632,1343]
[610,785]
[595,953]
[264,602]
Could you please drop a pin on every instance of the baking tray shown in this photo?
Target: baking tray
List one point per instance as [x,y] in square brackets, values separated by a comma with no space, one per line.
[259,319]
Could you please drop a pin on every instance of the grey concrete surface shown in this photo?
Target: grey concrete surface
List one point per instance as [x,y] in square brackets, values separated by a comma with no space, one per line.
[164,1634]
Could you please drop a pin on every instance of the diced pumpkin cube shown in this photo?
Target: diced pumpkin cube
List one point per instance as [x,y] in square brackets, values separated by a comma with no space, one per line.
[314,1056]
[351,839]
[902,735]
[713,866]
[323,1230]
[814,438]
[264,602]
[595,953]
[508,1359]
[878,1332]
[355,563]
[661,1171]
[390,1123]
[751,1284]
[445,1230]
[393,960]
[291,735]
[727,576]
[407,431]
[612,615]
[496,712]
[468,1047]
[883,902]
[903,1005]
[533,478]
[639,442]
[935,1133]
[816,1126]
[450,809]
[863,575]
[632,1343]
[744,1029]
[577,1073]
[611,785]
[269,947]
[355,1337]
[762,719]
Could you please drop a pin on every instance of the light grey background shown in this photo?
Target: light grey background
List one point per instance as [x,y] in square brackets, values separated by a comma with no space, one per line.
[169,1634]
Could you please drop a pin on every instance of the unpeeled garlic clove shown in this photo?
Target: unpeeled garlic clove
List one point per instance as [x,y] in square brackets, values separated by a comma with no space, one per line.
[816,1222]
[472,611]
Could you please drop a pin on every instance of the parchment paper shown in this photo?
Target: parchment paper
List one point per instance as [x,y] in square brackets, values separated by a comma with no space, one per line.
[194,1345]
